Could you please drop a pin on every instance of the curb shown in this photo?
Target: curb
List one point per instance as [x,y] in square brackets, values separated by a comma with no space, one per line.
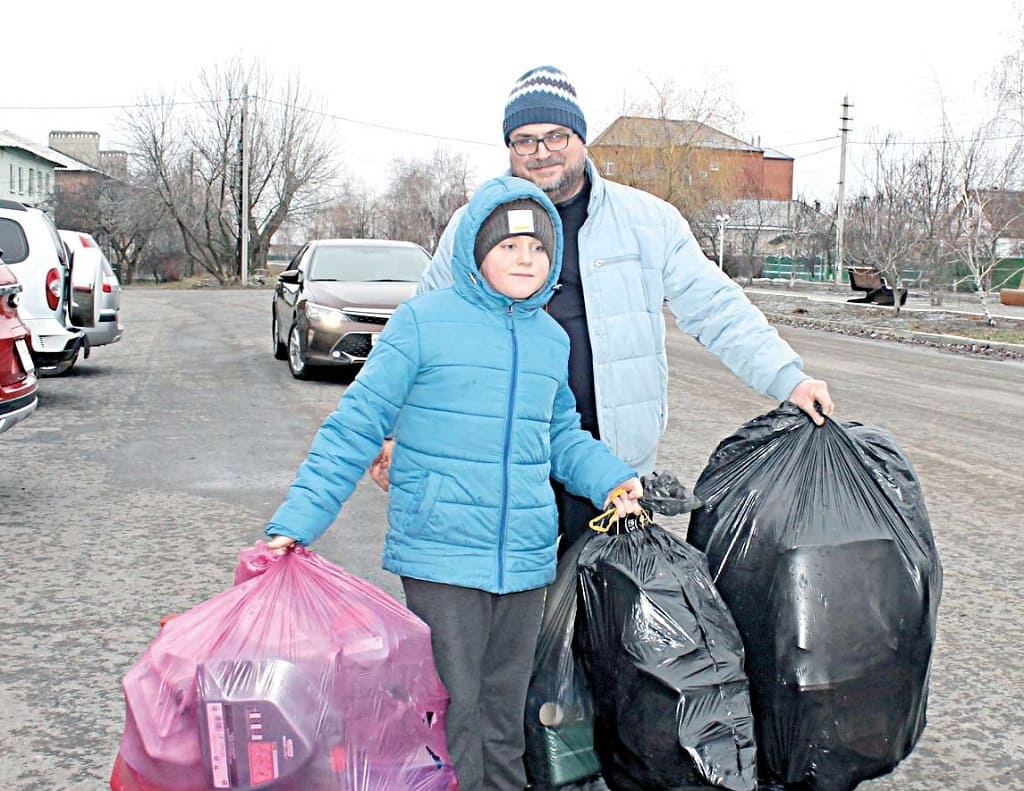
[958,342]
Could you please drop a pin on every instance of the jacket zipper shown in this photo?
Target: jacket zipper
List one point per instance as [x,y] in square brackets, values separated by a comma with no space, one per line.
[503,522]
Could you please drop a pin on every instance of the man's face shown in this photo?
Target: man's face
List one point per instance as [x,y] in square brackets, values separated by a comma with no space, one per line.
[558,173]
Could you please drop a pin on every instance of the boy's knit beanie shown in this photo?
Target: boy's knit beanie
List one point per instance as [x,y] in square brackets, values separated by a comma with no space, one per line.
[543,96]
[519,217]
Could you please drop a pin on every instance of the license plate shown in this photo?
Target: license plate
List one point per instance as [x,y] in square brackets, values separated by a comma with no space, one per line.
[373,338]
[24,356]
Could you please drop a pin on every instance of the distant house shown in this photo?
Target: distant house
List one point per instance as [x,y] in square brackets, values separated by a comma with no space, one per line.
[1003,218]
[27,169]
[642,150]
[775,238]
[778,227]
[32,174]
[1002,213]
[86,164]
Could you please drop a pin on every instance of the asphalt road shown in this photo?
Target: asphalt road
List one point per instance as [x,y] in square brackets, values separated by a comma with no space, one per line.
[128,495]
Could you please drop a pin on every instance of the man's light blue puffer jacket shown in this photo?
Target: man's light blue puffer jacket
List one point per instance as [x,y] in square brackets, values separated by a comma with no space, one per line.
[474,387]
[637,254]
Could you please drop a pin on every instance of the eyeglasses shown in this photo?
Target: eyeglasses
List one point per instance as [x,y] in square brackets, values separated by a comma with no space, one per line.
[553,141]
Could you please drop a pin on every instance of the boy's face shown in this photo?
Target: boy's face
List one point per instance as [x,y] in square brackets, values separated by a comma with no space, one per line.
[517,266]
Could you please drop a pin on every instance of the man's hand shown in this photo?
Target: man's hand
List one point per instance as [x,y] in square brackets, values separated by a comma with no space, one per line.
[380,465]
[627,501]
[280,544]
[809,392]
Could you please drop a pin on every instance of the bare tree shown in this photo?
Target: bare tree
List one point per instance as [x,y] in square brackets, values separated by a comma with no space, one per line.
[349,213]
[981,221]
[668,153]
[751,222]
[190,155]
[293,158]
[934,195]
[120,215]
[1007,91]
[131,219]
[884,227]
[811,232]
[785,228]
[77,206]
[422,196]
[987,207]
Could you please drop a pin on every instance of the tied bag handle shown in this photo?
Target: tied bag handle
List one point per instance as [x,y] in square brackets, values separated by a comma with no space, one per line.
[603,522]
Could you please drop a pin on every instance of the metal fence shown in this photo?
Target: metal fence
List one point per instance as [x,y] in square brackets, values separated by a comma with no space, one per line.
[1007,273]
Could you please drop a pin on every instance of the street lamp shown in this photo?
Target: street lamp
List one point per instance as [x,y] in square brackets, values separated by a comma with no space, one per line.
[721,219]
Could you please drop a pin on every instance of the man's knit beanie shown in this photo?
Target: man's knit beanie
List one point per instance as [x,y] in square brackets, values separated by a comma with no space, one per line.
[519,217]
[544,96]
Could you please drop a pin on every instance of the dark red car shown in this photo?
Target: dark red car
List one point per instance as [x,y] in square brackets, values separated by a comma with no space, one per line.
[17,373]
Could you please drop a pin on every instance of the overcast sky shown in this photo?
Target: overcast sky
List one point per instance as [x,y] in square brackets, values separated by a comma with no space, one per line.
[440,72]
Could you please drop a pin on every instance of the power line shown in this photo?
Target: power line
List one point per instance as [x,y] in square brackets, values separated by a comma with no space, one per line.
[939,140]
[415,133]
[819,151]
[806,142]
[384,126]
[333,116]
[136,106]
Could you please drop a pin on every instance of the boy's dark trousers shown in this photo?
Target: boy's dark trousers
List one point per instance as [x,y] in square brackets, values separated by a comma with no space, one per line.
[483,648]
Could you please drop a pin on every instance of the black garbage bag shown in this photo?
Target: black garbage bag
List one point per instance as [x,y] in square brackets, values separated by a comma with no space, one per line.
[559,713]
[665,495]
[819,541]
[665,664]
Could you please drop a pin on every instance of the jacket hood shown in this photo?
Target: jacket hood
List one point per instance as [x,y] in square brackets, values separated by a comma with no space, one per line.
[469,283]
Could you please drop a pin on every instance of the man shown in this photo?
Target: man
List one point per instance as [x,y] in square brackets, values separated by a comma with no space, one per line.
[626,254]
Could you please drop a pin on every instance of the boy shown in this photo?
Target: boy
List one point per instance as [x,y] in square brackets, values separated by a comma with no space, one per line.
[472,380]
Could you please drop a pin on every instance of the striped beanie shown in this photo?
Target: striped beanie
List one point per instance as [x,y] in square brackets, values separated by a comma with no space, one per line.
[543,96]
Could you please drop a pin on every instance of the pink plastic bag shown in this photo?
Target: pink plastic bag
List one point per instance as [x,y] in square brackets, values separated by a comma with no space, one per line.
[302,677]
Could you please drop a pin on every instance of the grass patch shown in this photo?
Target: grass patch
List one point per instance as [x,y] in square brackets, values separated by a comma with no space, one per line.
[975,331]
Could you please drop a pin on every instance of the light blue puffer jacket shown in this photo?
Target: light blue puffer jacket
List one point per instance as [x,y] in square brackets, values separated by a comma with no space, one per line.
[474,387]
[637,254]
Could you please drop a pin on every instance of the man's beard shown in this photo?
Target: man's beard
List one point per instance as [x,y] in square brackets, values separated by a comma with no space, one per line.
[567,185]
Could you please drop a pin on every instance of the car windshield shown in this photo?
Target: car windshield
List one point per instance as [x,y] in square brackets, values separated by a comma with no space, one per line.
[368,263]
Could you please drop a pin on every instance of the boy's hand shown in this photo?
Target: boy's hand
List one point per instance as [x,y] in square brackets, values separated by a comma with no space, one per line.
[280,544]
[379,466]
[627,496]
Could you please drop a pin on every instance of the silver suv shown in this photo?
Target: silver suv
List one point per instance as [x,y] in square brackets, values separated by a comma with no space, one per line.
[34,252]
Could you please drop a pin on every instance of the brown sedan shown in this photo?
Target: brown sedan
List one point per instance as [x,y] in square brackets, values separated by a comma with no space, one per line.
[336,295]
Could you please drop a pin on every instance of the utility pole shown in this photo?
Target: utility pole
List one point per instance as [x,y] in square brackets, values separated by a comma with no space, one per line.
[844,120]
[243,215]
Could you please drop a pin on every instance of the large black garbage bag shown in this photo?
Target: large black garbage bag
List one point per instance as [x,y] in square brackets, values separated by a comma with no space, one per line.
[665,664]
[819,541]
[559,714]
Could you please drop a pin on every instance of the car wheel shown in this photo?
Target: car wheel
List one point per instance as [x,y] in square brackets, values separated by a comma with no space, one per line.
[296,362]
[280,349]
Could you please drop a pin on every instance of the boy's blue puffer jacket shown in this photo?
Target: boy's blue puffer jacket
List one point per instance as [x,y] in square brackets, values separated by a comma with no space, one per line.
[474,387]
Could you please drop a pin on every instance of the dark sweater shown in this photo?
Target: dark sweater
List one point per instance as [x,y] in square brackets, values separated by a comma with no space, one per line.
[568,308]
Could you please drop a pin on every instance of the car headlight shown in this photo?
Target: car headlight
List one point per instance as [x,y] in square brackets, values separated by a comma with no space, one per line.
[324,316]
